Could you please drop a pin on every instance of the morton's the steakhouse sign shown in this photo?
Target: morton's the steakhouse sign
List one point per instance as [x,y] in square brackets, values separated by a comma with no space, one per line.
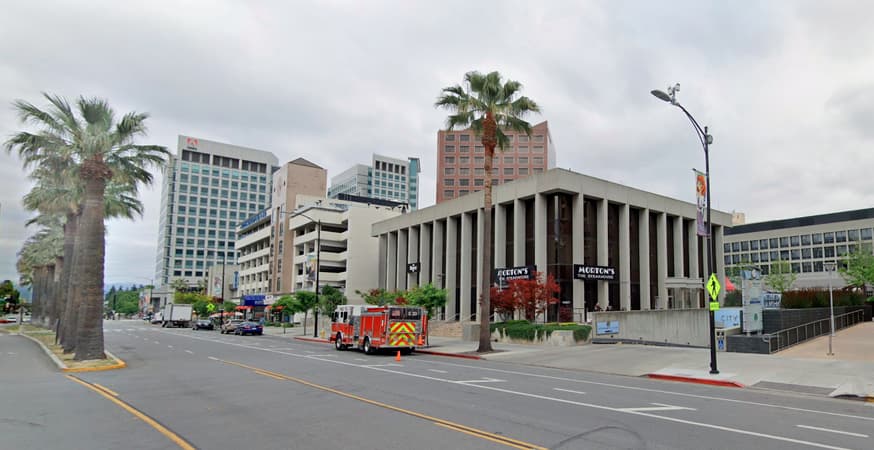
[507,274]
[605,273]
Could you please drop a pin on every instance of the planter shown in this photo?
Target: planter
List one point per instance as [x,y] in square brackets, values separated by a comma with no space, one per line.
[558,338]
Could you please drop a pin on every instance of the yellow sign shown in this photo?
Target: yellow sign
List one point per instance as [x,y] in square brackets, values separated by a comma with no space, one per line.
[713,286]
[714,306]
[210,307]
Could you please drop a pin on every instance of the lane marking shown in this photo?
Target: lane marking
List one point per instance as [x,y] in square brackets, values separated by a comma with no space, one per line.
[189,351]
[259,372]
[659,407]
[660,391]
[484,380]
[568,390]
[438,371]
[175,438]
[488,438]
[510,442]
[833,431]
[169,346]
[106,389]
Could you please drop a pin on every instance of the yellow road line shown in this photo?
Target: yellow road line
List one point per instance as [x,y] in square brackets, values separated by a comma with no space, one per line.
[269,375]
[448,424]
[154,424]
[106,389]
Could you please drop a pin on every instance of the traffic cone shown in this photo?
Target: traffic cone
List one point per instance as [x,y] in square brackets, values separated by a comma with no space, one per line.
[398,357]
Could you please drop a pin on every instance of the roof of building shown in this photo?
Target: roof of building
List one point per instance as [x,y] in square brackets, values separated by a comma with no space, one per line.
[806,221]
[304,162]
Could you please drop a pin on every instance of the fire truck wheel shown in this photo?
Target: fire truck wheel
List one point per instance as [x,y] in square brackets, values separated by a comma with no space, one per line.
[338,343]
[367,348]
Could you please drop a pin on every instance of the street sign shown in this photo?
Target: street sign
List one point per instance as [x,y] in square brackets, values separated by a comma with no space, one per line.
[210,307]
[714,306]
[713,286]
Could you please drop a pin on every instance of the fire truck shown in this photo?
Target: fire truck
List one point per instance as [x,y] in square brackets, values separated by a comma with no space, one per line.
[371,328]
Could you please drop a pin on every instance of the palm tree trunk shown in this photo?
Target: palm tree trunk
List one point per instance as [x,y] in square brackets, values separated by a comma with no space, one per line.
[489,141]
[57,294]
[50,300]
[91,250]
[38,294]
[69,318]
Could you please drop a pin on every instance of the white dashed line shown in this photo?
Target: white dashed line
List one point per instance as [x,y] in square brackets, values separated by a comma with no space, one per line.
[833,431]
[189,351]
[568,390]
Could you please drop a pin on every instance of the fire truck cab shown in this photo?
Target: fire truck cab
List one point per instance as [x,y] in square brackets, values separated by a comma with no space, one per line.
[370,328]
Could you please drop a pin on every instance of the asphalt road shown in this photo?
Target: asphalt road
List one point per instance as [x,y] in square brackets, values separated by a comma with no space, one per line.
[215,391]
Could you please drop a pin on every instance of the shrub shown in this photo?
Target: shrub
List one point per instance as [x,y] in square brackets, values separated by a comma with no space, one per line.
[524,330]
[819,298]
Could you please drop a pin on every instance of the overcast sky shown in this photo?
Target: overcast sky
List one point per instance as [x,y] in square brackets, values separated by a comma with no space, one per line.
[787,89]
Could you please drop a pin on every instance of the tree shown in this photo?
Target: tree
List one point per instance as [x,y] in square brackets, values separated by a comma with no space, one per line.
[533,297]
[379,297]
[287,304]
[8,296]
[488,105]
[306,300]
[780,277]
[859,268]
[428,297]
[201,306]
[102,149]
[330,298]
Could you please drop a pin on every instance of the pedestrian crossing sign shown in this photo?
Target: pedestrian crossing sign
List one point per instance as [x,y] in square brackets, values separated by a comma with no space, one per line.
[713,286]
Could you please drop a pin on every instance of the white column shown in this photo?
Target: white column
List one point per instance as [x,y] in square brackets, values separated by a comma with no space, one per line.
[391,279]
[465,254]
[603,252]
[480,249]
[518,233]
[451,267]
[438,254]
[643,242]
[624,258]
[678,247]
[662,254]
[413,256]
[500,236]
[383,260]
[578,237]
[540,242]
[403,242]
[425,253]
[694,274]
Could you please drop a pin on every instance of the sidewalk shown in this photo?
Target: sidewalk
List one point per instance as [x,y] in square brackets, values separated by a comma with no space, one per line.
[805,368]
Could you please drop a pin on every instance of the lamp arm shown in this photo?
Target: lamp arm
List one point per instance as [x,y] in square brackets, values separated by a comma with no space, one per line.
[702,136]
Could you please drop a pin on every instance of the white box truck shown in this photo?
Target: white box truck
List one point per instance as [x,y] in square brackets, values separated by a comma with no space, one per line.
[175,315]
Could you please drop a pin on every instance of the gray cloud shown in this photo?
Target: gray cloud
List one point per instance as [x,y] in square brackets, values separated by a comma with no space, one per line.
[785,88]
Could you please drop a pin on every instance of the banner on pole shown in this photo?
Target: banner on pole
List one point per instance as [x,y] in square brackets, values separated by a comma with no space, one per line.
[701,202]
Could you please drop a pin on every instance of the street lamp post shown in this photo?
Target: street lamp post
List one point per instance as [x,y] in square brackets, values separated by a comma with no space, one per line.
[706,139]
[830,267]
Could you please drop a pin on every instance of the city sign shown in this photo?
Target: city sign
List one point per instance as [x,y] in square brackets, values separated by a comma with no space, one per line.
[603,273]
[504,275]
[607,327]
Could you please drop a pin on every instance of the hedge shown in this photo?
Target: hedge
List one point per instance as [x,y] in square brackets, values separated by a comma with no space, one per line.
[524,330]
[819,298]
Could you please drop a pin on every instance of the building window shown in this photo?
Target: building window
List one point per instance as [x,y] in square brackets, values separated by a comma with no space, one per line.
[754,245]
[775,255]
[449,171]
[465,138]
[796,268]
[463,192]
[464,171]
[796,254]
[508,171]
[817,238]
[735,246]
[449,149]
[829,252]
[479,171]
[538,149]
[727,259]
[784,255]
[828,238]
[464,182]
[538,138]
[764,256]
[478,182]
[523,149]
[853,235]
[465,149]
[448,182]
[449,159]
[479,161]
[745,246]
[754,257]
[763,243]
[726,247]
[479,149]
[508,160]
[523,171]
[450,137]
[784,242]
[523,139]
[523,160]
[805,239]
[841,250]
[817,252]
[510,138]
[796,241]
[464,160]
[805,253]
[865,233]
[538,170]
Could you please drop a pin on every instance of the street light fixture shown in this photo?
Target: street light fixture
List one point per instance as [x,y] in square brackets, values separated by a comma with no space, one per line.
[318,269]
[706,139]
[830,267]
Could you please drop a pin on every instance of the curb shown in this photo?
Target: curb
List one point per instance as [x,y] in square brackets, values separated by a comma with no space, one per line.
[63,367]
[424,352]
[711,382]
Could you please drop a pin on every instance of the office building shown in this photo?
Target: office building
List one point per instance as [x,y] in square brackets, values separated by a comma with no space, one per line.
[805,243]
[391,179]
[254,236]
[461,160]
[298,177]
[208,188]
[343,251]
[605,244]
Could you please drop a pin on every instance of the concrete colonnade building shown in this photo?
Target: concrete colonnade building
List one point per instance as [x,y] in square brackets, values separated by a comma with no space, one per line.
[562,223]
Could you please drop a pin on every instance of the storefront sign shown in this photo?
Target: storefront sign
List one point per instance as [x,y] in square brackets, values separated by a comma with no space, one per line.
[504,275]
[253,300]
[607,327]
[605,273]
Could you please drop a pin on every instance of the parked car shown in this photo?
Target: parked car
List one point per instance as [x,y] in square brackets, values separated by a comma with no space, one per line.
[11,318]
[231,326]
[249,328]
[202,324]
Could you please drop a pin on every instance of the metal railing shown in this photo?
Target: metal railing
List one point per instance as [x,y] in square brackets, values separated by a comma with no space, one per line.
[793,336]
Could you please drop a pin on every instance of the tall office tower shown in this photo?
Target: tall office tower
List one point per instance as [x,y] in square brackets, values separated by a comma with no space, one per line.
[293,178]
[209,187]
[461,160]
[387,179]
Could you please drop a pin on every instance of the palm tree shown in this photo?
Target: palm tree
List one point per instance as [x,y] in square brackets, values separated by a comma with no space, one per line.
[489,105]
[100,150]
